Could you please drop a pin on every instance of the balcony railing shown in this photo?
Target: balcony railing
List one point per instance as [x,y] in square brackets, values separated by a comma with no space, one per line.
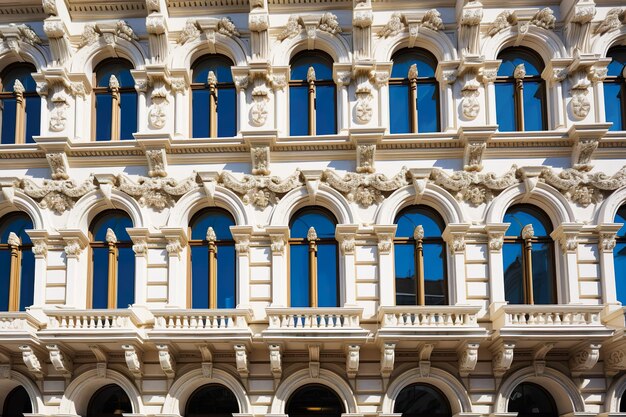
[428,316]
[18,322]
[314,318]
[85,320]
[201,319]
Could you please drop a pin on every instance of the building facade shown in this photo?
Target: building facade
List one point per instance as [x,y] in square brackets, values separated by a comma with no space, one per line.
[312,207]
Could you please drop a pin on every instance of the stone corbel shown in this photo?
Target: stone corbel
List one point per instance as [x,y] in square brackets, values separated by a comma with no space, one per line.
[420,177]
[241,361]
[578,27]
[176,240]
[310,22]
[365,140]
[585,139]
[212,26]
[75,242]
[167,361]
[7,188]
[58,36]
[157,162]
[502,358]
[539,357]
[385,236]
[62,363]
[454,235]
[106,183]
[279,236]
[133,360]
[614,360]
[468,358]
[475,140]
[312,180]
[314,361]
[530,177]
[424,352]
[209,182]
[584,359]
[258,23]
[430,19]
[352,360]
[469,16]
[276,361]
[207,361]
[387,360]
[35,364]
[346,236]
[495,235]
[13,36]
[59,165]
[156,26]
[607,233]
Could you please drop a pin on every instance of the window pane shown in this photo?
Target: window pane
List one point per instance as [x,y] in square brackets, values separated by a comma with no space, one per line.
[103,116]
[219,220]
[326,110]
[8,120]
[27,279]
[613,105]
[434,274]
[531,400]
[403,59]
[421,400]
[505,107]
[411,217]
[33,116]
[219,64]
[227,112]
[200,113]
[100,282]
[427,106]
[321,63]
[534,98]
[222,401]
[512,257]
[404,255]
[128,116]
[199,277]
[226,297]
[522,215]
[321,220]
[299,267]
[117,221]
[543,273]
[5,279]
[298,111]
[399,108]
[327,285]
[125,277]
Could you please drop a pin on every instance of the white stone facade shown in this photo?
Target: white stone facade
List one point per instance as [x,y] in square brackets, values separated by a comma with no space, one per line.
[476,351]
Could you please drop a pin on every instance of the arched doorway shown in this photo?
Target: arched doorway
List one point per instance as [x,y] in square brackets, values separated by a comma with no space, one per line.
[17,403]
[314,401]
[421,400]
[109,401]
[531,400]
[212,401]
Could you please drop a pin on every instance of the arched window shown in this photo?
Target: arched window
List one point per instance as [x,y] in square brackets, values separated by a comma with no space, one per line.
[531,400]
[619,256]
[622,403]
[314,400]
[520,91]
[17,270]
[115,100]
[421,400]
[212,259]
[109,401]
[17,403]
[313,259]
[615,89]
[112,261]
[312,95]
[214,98]
[418,239]
[528,256]
[414,92]
[20,104]
[212,401]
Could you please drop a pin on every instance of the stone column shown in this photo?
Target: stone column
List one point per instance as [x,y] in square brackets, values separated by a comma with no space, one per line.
[139,236]
[39,238]
[386,275]
[566,237]
[279,236]
[606,244]
[177,284]
[454,235]
[495,234]
[242,235]
[76,277]
[346,235]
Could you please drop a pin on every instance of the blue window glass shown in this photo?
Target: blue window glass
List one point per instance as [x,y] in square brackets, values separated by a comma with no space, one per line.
[427,253]
[127,105]
[124,260]
[421,400]
[225,256]
[401,108]
[8,105]
[538,286]
[326,258]
[619,256]
[226,97]
[325,94]
[614,88]
[520,103]
[17,223]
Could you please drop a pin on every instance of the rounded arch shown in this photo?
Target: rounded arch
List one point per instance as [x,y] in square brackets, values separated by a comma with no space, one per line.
[19,201]
[303,377]
[197,199]
[609,207]
[180,392]
[325,196]
[35,55]
[601,44]
[545,42]
[88,57]
[433,196]
[541,195]
[434,41]
[614,395]
[184,56]
[16,380]
[79,392]
[564,392]
[335,46]
[452,389]
[94,202]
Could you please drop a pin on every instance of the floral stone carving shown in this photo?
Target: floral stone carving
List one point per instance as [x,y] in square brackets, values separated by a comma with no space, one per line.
[156,193]
[474,187]
[260,191]
[56,195]
[365,189]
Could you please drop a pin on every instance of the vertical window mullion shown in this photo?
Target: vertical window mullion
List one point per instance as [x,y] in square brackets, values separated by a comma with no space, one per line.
[14,280]
[111,241]
[313,290]
[212,83]
[310,77]
[418,235]
[520,73]
[20,112]
[622,104]
[412,75]
[528,234]
[212,247]
[114,87]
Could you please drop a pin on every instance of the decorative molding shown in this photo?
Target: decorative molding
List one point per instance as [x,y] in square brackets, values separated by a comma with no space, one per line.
[56,195]
[544,19]
[133,360]
[539,357]
[32,362]
[365,189]
[468,358]
[241,361]
[167,361]
[474,187]
[276,361]
[109,32]
[157,162]
[581,187]
[156,193]
[260,191]
[327,22]
[502,358]
[613,21]
[61,362]
[431,19]
[352,360]
[387,359]
[585,359]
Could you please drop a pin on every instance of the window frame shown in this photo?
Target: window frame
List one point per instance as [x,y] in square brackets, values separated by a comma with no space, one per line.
[619,80]
[20,102]
[16,255]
